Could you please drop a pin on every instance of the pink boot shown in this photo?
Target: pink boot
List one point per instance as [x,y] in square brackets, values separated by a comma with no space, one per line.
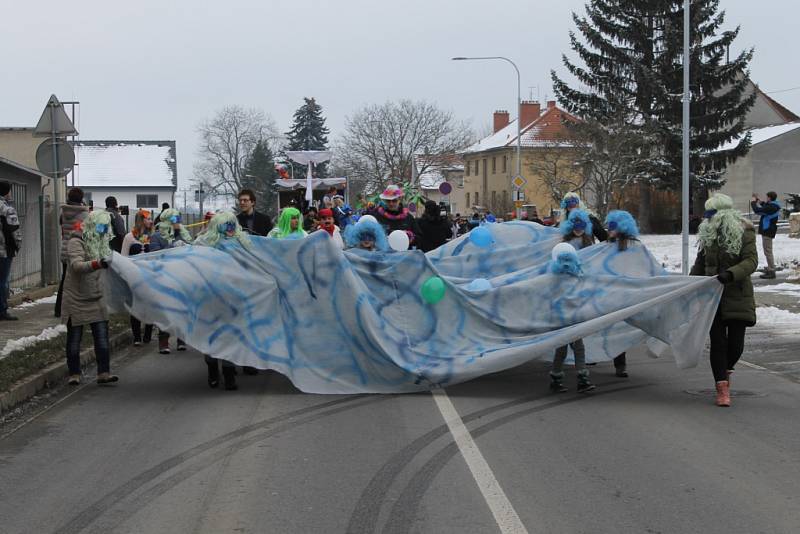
[723,393]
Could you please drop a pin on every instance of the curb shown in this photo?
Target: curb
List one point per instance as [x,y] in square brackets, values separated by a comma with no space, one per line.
[52,374]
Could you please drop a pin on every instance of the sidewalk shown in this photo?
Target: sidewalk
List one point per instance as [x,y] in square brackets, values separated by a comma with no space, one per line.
[33,318]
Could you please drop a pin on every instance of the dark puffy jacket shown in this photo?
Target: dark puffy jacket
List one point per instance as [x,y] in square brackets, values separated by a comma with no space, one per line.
[770,212]
[738,302]
[72,215]
[435,232]
[402,220]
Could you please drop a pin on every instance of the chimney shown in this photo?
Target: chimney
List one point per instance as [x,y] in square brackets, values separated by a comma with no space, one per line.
[551,104]
[529,111]
[500,120]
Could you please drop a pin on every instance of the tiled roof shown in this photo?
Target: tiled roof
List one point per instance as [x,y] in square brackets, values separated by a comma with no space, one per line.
[546,130]
[783,111]
[126,164]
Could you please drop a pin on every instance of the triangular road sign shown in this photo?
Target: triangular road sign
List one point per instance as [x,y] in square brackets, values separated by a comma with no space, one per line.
[54,114]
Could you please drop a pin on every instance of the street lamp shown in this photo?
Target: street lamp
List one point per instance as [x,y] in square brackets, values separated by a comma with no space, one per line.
[519,104]
[685,178]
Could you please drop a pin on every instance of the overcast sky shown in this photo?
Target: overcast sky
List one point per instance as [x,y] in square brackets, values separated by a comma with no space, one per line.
[153,69]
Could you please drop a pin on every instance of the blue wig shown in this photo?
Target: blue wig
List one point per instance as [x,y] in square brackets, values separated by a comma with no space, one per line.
[577,219]
[366,230]
[623,223]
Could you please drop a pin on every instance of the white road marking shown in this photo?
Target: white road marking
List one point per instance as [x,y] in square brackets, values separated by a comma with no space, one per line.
[753,366]
[502,510]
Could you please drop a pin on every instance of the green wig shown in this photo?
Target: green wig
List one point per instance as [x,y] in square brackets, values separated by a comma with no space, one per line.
[165,227]
[215,231]
[284,229]
[725,226]
[97,244]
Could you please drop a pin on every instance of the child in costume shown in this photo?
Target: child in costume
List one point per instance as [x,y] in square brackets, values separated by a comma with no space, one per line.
[88,251]
[169,233]
[326,224]
[366,235]
[223,229]
[136,242]
[290,225]
[577,234]
[623,232]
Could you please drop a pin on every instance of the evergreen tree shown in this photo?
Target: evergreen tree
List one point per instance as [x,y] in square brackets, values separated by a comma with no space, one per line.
[308,133]
[633,78]
[259,175]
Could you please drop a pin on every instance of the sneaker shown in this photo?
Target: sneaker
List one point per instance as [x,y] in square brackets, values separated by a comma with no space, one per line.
[557,384]
[137,343]
[107,378]
[769,275]
[163,346]
[74,380]
[584,384]
[181,346]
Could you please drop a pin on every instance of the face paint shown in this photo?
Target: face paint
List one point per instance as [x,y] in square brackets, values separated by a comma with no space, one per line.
[227,228]
[709,213]
[101,228]
[579,224]
[613,225]
[175,219]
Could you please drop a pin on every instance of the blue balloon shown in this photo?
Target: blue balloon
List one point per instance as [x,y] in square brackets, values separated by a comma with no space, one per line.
[481,237]
[479,284]
[491,218]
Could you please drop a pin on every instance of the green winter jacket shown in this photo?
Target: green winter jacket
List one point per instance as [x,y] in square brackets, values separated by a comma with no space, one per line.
[738,302]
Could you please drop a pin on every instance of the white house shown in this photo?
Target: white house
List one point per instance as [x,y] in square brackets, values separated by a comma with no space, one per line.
[432,171]
[140,174]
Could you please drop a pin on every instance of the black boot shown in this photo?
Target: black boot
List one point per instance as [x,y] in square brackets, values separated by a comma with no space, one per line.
[213,374]
[230,378]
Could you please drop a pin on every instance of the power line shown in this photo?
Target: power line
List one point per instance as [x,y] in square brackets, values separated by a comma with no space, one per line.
[782,90]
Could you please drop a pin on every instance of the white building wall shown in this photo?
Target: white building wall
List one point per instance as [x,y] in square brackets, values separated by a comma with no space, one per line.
[127,197]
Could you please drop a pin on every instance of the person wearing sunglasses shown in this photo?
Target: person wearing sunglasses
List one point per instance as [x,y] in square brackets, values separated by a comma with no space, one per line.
[84,303]
[169,233]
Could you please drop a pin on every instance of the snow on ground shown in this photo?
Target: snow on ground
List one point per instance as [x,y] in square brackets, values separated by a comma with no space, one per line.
[790,289]
[46,300]
[770,315]
[667,249]
[23,342]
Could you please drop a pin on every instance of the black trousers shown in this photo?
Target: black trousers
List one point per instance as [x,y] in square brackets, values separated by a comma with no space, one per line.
[60,294]
[136,328]
[620,361]
[727,345]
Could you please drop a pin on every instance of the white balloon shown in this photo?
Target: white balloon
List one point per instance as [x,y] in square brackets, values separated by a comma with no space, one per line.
[398,240]
[368,217]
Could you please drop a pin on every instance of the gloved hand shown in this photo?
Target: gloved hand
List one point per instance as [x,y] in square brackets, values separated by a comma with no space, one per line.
[725,277]
[105,262]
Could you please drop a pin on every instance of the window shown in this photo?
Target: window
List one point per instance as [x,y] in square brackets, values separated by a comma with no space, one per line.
[146,201]
[505,160]
[505,200]
[460,180]
[494,200]
[494,164]
[467,168]
[477,164]
[477,199]
[468,204]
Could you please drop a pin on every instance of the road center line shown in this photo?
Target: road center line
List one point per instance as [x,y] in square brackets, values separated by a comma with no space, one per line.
[502,510]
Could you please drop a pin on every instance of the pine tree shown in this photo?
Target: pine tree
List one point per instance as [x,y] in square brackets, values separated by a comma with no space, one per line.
[259,175]
[308,133]
[632,69]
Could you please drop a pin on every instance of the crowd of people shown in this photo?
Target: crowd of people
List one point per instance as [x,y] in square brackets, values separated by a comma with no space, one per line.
[726,251]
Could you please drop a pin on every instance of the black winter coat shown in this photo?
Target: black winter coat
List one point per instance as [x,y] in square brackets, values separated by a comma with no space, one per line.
[435,232]
[262,224]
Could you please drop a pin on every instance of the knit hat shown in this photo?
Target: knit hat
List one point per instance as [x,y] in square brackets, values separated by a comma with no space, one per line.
[5,187]
[392,192]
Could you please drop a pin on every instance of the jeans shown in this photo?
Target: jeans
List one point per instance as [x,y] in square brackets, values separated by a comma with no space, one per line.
[727,345]
[5,274]
[766,242]
[561,355]
[102,351]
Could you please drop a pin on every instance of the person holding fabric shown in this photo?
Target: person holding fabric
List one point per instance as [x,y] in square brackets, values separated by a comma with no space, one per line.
[72,215]
[393,216]
[577,232]
[10,244]
[290,225]
[436,229]
[727,245]
[169,233]
[767,227]
[366,235]
[623,233]
[137,241]
[252,221]
[88,251]
[326,224]
[572,201]
[223,230]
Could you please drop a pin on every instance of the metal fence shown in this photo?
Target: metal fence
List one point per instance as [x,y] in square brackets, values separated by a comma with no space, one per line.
[27,265]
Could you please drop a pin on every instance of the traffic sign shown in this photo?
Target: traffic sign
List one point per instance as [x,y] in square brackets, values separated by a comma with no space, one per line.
[54,120]
[517,195]
[517,204]
[52,151]
[519,182]
[445,188]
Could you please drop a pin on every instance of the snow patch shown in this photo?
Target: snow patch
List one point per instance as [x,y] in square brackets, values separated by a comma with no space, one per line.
[46,300]
[13,345]
[773,315]
[784,289]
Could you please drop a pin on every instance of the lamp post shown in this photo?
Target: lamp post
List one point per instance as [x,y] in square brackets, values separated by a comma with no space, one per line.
[519,105]
[687,59]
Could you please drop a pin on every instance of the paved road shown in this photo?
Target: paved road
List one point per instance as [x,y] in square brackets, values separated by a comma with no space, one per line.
[161,452]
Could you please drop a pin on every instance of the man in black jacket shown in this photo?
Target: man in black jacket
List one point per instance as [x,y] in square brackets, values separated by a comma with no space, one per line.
[117,224]
[252,221]
[767,227]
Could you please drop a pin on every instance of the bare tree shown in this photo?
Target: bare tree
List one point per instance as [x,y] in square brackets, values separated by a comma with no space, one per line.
[380,141]
[227,141]
[557,164]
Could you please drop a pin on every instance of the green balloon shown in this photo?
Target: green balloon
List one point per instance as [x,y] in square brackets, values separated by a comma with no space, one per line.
[432,291]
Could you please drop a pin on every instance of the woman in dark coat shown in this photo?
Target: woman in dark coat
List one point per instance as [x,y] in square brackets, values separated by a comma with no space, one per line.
[728,251]
[393,216]
[435,228]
